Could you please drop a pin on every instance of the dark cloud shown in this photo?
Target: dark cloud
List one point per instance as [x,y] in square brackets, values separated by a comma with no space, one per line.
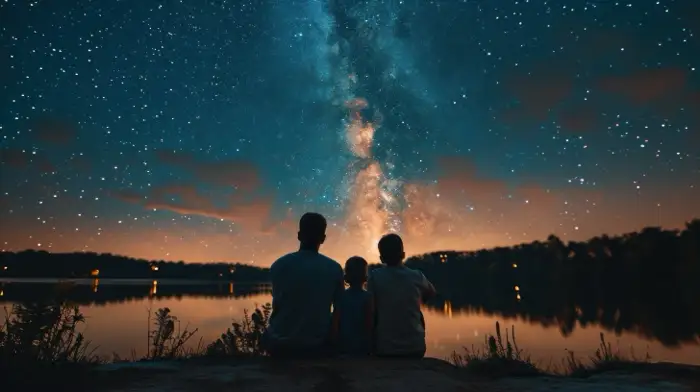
[14,158]
[646,86]
[55,131]
[580,118]
[541,92]
[20,160]
[235,173]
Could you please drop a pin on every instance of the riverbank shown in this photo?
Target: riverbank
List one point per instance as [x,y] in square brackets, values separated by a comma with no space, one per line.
[349,375]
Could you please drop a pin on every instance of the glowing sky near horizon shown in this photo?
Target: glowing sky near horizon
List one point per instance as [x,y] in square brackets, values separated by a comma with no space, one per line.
[202,130]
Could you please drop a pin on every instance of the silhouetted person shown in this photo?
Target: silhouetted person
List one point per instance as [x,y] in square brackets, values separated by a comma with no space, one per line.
[304,286]
[355,311]
[398,292]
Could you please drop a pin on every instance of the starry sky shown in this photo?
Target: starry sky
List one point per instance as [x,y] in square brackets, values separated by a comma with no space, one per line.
[200,130]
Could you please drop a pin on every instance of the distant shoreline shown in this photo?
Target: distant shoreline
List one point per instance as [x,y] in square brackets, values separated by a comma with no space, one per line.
[123,281]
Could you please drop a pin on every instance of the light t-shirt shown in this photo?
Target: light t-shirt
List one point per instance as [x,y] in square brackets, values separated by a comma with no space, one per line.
[398,291]
[304,286]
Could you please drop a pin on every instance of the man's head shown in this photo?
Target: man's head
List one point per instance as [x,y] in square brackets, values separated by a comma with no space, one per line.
[312,230]
[391,250]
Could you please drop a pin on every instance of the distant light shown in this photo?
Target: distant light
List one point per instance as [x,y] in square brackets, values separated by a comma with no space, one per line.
[517,288]
[154,268]
[4,268]
[95,272]
[515,265]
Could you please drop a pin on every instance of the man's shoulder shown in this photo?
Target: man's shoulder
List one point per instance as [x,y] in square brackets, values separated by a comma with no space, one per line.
[284,259]
[327,259]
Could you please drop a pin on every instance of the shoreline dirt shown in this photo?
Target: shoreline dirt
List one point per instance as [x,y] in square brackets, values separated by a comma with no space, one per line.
[350,375]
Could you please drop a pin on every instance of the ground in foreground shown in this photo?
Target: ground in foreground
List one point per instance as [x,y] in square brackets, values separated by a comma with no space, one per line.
[350,375]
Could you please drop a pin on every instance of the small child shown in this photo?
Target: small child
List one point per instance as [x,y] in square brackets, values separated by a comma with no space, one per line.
[355,314]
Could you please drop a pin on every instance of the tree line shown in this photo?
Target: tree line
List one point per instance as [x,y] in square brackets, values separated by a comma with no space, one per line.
[42,264]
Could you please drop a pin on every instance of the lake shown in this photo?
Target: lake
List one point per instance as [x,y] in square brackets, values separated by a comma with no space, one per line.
[117,319]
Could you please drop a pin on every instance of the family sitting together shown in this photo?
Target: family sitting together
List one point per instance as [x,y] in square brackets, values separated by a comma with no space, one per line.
[385,319]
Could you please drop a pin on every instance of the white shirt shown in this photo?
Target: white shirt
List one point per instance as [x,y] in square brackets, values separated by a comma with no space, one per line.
[398,292]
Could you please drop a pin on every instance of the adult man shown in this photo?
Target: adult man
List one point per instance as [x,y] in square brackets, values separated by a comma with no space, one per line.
[304,286]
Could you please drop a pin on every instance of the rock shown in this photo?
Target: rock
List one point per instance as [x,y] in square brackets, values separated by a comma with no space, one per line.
[349,375]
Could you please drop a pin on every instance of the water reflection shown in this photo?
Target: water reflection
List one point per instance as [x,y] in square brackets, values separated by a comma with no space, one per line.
[461,317]
[104,292]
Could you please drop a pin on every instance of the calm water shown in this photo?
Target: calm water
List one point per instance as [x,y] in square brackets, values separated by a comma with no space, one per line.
[117,319]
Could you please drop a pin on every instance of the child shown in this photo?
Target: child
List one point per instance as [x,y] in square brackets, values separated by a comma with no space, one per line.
[355,313]
[398,292]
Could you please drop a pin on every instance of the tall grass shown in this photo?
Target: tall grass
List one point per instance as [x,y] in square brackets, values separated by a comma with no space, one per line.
[44,333]
[498,359]
[166,339]
[243,338]
[604,359]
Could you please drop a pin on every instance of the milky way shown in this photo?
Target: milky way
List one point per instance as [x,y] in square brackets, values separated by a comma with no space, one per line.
[201,130]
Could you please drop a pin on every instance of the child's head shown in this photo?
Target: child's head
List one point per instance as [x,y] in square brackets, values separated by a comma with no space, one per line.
[356,271]
[391,250]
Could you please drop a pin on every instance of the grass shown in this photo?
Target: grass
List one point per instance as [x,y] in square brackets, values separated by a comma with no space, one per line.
[496,359]
[42,346]
[604,359]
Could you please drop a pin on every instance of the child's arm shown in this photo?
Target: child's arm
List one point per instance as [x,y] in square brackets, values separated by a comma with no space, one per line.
[369,318]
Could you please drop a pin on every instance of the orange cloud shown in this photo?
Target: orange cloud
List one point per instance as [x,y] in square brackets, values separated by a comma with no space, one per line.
[187,200]
[465,209]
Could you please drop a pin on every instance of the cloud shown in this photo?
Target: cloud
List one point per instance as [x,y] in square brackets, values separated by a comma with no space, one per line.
[540,93]
[55,131]
[580,118]
[466,209]
[20,160]
[646,86]
[187,200]
[233,172]
[15,158]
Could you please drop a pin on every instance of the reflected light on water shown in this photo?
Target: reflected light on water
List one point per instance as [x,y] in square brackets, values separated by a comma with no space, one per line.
[230,288]
[154,288]
[447,309]
[95,285]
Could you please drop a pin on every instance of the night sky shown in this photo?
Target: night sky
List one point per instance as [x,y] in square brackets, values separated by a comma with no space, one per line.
[200,130]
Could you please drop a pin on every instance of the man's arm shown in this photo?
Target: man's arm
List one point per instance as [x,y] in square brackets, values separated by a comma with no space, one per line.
[335,319]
